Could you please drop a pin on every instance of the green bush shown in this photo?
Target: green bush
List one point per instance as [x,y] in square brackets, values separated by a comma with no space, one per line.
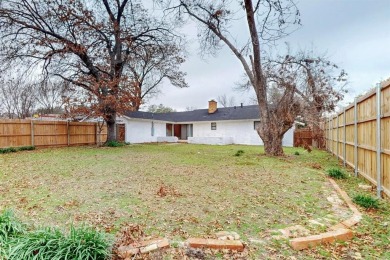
[84,243]
[336,173]
[8,150]
[239,153]
[366,201]
[9,226]
[40,244]
[50,243]
[14,150]
[114,144]
[26,148]
[296,153]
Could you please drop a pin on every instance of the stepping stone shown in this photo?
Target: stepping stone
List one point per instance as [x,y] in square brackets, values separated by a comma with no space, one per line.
[227,235]
[293,231]
[365,187]
[316,223]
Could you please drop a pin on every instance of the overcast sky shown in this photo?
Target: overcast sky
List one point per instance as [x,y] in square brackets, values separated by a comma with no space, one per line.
[355,34]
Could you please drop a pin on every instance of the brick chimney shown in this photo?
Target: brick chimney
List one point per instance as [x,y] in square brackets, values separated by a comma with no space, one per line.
[212,106]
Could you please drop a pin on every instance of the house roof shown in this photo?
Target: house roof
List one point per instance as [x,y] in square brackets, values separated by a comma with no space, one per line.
[224,113]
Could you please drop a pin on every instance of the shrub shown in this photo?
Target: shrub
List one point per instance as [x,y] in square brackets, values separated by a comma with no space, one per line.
[8,150]
[84,243]
[296,153]
[26,148]
[40,244]
[239,153]
[366,201]
[9,226]
[336,173]
[114,144]
[13,149]
[50,243]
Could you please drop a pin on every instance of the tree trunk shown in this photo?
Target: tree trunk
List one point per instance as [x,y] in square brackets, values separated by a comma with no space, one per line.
[272,135]
[273,146]
[111,127]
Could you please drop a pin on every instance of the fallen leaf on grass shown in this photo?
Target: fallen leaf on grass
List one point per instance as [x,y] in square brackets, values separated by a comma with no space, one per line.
[165,190]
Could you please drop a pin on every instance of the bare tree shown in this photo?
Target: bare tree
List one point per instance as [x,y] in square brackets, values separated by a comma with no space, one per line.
[87,43]
[152,64]
[17,98]
[5,100]
[266,20]
[50,94]
[318,85]
[160,109]
[190,108]
[226,101]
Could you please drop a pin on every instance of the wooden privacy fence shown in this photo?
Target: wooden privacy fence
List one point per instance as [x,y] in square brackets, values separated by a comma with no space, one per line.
[16,133]
[307,136]
[360,136]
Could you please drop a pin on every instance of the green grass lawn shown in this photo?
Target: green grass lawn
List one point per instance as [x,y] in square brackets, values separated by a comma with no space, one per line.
[175,191]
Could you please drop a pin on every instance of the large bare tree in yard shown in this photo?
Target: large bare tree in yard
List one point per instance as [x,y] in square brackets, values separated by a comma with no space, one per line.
[51,94]
[151,66]
[17,95]
[89,43]
[265,21]
[314,83]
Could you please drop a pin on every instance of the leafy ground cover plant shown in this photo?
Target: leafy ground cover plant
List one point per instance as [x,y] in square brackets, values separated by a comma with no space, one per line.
[9,225]
[16,149]
[26,148]
[52,244]
[366,201]
[39,244]
[336,173]
[239,153]
[9,228]
[8,150]
[114,144]
[84,243]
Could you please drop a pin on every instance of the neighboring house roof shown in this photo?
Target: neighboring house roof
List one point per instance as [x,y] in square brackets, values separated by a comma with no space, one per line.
[224,113]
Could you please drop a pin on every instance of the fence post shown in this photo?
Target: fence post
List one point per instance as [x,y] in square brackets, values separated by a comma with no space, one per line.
[355,137]
[32,132]
[68,131]
[345,140]
[337,136]
[96,133]
[331,135]
[378,141]
[326,134]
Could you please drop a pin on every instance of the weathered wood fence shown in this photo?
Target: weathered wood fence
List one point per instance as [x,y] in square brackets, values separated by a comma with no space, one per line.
[360,137]
[16,133]
[307,136]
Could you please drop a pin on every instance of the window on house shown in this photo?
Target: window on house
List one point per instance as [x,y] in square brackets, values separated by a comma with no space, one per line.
[256,124]
[152,129]
[214,126]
